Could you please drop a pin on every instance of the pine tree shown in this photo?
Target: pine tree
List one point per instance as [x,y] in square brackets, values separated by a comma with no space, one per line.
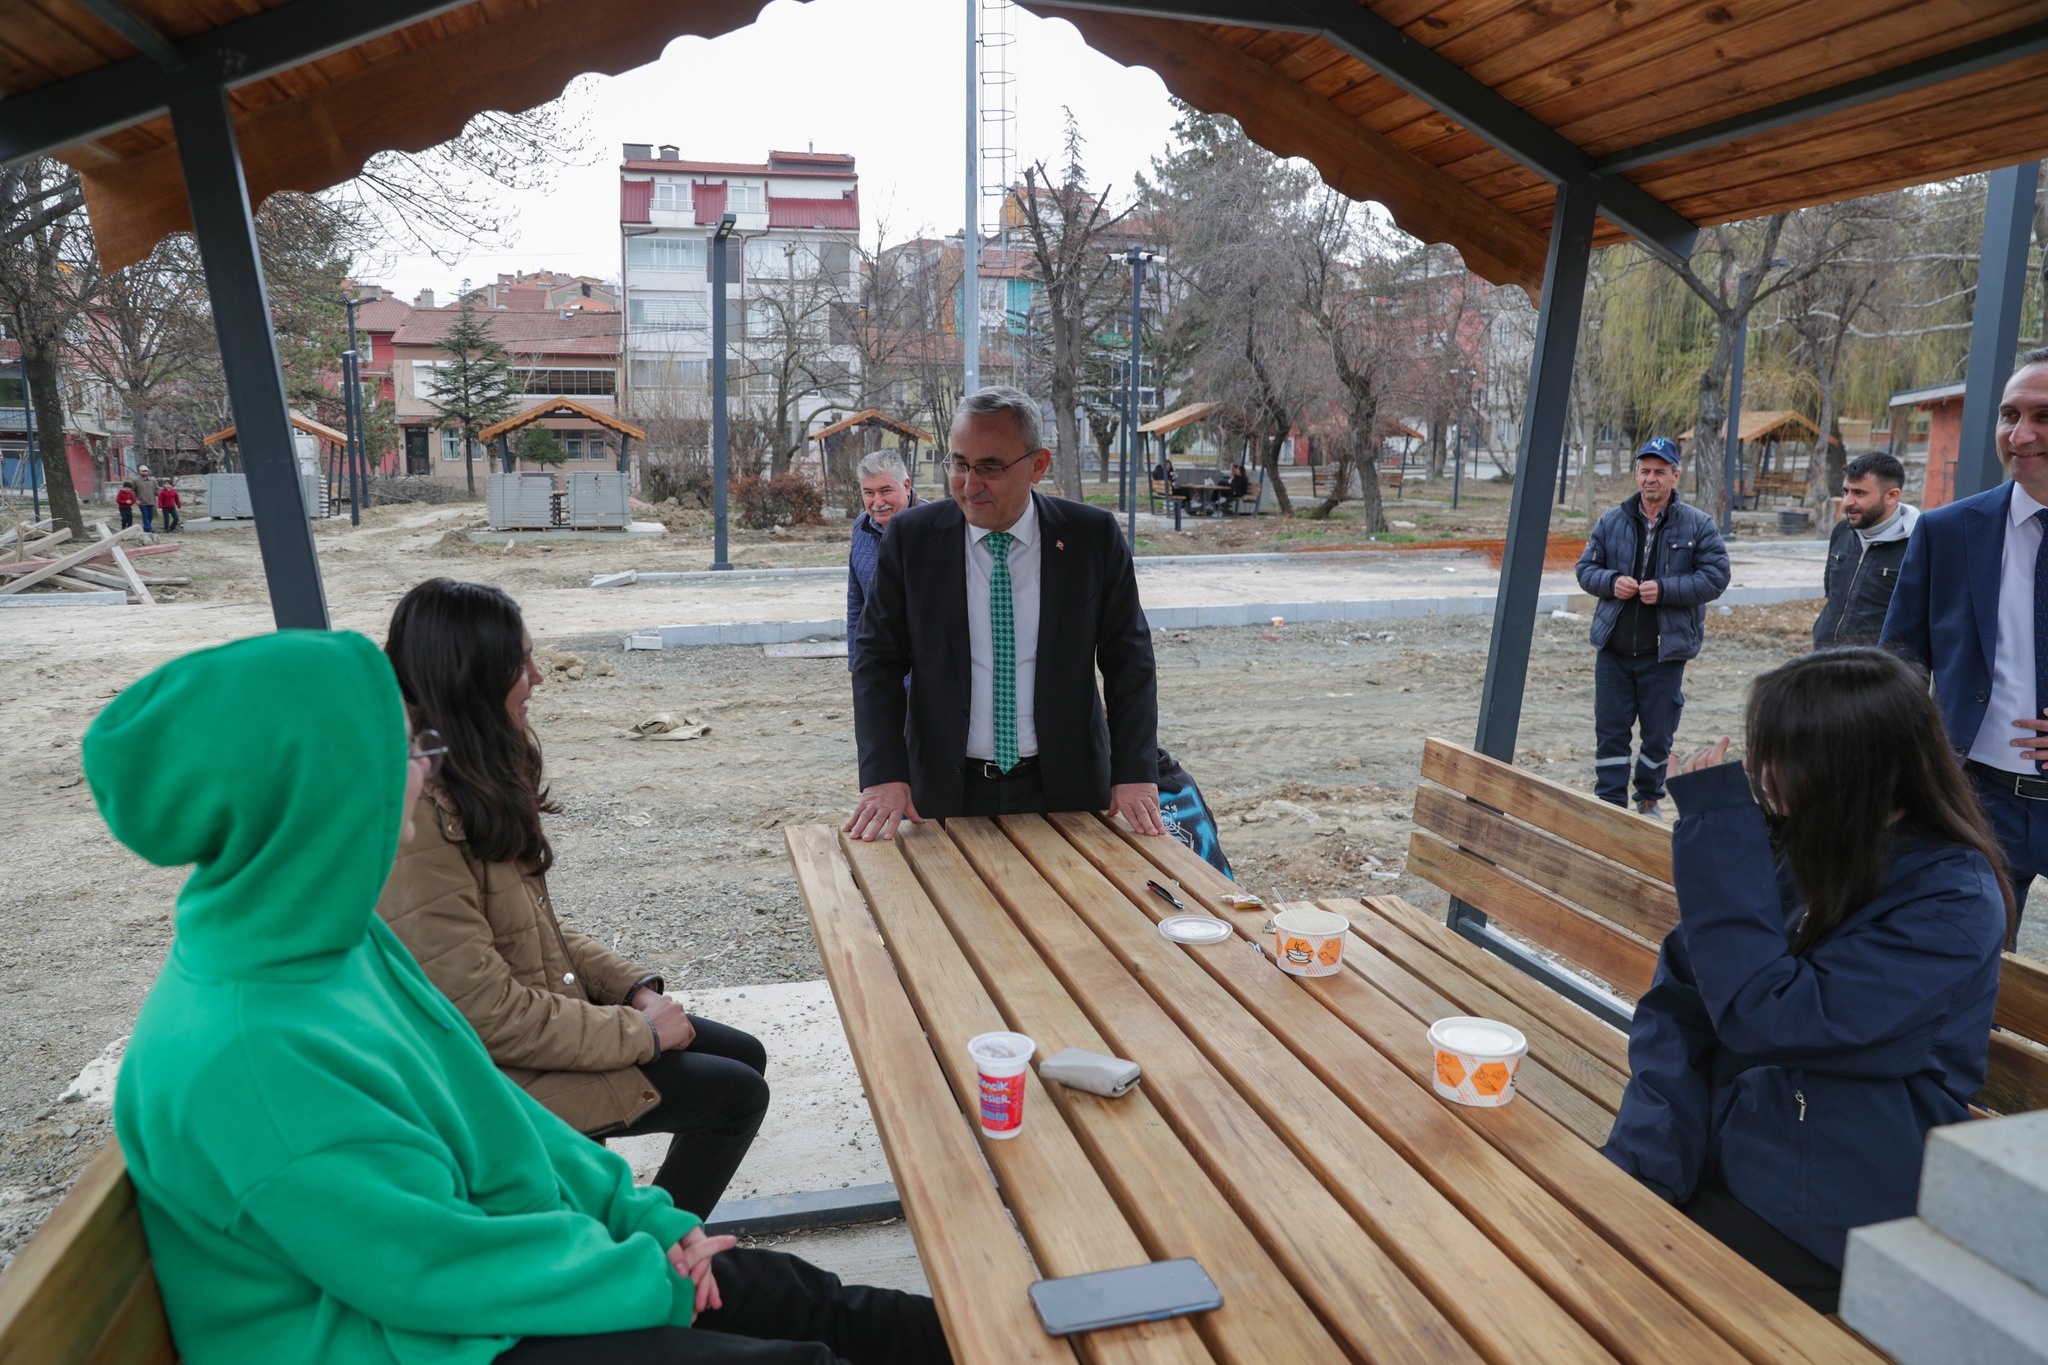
[539,445]
[473,384]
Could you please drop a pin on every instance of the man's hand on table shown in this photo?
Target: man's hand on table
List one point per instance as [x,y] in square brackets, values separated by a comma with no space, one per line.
[691,1258]
[671,1024]
[1138,803]
[881,808]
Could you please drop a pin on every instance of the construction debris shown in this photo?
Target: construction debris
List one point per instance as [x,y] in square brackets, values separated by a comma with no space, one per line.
[662,725]
[31,565]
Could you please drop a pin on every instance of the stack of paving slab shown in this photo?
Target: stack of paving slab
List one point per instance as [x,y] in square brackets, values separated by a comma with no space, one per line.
[1966,1282]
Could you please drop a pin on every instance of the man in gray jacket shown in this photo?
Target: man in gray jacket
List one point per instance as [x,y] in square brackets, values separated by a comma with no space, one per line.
[1654,563]
[1865,550]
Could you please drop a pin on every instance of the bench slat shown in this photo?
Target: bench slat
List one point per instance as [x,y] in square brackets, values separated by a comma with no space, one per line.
[1067,1215]
[1608,952]
[2018,1077]
[1557,1051]
[1593,1035]
[1632,840]
[59,1298]
[1353,1283]
[138,1334]
[971,1254]
[1642,905]
[1604,1290]
[2023,997]
[1739,1301]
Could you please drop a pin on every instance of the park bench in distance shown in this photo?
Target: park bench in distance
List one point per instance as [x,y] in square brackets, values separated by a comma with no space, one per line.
[1591,883]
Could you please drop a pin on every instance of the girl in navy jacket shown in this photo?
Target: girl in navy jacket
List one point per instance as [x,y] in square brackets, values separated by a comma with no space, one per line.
[1827,995]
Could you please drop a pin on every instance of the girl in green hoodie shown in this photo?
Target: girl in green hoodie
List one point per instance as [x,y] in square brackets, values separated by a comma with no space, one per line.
[328,1164]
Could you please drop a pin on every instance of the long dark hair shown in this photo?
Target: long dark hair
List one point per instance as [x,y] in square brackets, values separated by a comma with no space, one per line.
[458,649]
[1851,741]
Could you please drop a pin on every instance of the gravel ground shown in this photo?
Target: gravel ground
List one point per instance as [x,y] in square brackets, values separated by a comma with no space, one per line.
[1306,741]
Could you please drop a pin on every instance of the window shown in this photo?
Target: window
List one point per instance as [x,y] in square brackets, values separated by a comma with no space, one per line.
[10,391]
[672,195]
[451,445]
[564,381]
[663,372]
[746,196]
[425,380]
[763,319]
[669,315]
[683,254]
[572,444]
[768,259]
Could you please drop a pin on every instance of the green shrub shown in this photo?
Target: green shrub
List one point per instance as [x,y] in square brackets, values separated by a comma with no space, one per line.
[785,500]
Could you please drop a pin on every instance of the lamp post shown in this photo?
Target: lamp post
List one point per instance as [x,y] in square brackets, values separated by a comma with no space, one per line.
[719,239]
[353,455]
[1136,258]
[1733,450]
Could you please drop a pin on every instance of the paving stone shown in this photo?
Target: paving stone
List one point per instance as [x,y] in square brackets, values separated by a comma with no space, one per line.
[1985,1186]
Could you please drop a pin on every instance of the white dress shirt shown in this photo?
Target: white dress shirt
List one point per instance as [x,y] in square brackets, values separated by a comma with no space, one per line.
[1024,563]
[2012,662]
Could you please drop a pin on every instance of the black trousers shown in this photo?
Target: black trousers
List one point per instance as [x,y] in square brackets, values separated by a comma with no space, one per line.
[1021,791]
[170,516]
[714,1094]
[2022,829]
[1628,690]
[1810,1279]
[778,1311]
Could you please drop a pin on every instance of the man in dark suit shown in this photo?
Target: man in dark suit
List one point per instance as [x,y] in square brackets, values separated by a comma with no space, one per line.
[1002,604]
[1972,590]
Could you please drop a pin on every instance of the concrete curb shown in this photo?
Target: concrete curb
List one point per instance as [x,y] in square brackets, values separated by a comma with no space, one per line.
[1923,1300]
[1186,618]
[109,598]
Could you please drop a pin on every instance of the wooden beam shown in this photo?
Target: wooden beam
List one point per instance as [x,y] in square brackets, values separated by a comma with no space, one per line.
[135,583]
[1285,119]
[57,566]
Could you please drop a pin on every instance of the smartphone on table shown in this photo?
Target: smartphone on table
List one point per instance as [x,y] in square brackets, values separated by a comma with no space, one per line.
[1114,1298]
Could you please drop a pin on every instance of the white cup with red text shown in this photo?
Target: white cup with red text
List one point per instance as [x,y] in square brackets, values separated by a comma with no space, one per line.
[1002,1062]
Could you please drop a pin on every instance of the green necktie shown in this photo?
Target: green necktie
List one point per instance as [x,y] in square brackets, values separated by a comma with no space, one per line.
[1002,629]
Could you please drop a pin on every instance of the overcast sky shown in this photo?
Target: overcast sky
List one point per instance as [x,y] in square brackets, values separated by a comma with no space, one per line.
[881,79]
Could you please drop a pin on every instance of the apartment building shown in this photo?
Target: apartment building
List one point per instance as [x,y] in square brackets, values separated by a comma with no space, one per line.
[792,284]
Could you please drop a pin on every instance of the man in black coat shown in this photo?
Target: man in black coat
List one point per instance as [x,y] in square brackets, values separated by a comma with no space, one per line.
[1865,551]
[1002,604]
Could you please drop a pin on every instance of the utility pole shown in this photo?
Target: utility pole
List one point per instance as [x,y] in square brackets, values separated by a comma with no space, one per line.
[352,454]
[1137,259]
[970,237]
[720,240]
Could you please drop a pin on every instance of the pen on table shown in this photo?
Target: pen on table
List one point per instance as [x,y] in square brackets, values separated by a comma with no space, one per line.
[1166,895]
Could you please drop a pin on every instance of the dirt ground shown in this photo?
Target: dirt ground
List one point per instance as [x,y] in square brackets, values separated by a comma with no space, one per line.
[1306,741]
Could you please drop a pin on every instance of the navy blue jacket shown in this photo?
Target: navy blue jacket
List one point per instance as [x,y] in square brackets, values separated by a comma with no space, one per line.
[1692,570]
[1944,613]
[1806,1084]
[861,554]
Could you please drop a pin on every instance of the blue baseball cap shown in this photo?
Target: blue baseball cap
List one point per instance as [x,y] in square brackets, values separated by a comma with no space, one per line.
[1659,448]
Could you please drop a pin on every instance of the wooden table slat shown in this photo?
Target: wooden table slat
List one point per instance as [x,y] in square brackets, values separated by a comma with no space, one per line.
[1630,1313]
[1593,1034]
[979,1273]
[1559,1054]
[1479,1288]
[1067,1215]
[1747,1308]
[1352,1283]
[1610,831]
[1163,1192]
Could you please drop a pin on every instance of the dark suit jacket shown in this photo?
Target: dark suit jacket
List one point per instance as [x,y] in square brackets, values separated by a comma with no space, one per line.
[1945,611]
[1088,619]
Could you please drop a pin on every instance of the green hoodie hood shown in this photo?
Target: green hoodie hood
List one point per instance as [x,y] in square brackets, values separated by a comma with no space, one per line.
[286,789]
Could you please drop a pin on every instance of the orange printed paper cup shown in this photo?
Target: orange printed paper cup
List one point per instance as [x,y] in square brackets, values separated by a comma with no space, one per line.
[1476,1059]
[1309,942]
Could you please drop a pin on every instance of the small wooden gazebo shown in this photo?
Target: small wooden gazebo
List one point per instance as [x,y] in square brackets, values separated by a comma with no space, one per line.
[501,432]
[873,417]
[330,439]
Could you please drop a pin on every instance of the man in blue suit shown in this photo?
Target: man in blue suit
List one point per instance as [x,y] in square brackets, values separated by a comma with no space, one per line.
[1972,607]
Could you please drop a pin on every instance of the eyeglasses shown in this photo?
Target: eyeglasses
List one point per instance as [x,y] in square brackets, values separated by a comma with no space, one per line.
[429,748]
[986,469]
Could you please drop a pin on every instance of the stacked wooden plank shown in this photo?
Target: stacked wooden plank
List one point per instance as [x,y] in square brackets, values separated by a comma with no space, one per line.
[38,556]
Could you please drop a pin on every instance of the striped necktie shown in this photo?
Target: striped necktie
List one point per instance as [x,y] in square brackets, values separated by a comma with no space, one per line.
[1002,621]
[2041,624]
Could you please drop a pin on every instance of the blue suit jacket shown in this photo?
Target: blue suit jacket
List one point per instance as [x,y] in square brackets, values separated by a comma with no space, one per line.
[1945,612]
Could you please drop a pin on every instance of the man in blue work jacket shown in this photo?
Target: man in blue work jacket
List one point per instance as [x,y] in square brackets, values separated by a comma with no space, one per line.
[1654,562]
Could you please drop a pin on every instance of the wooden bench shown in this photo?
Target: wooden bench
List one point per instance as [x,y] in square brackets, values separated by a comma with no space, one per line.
[1591,883]
[1393,478]
[1162,489]
[83,1290]
[1780,484]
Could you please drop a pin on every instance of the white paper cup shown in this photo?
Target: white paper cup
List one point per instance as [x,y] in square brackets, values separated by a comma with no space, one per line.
[1309,942]
[1476,1059]
[1003,1061]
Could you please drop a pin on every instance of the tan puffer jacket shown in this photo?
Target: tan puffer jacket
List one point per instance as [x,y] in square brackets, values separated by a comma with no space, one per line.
[548,1002]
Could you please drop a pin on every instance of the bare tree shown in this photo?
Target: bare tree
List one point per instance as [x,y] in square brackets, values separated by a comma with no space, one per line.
[797,347]
[47,275]
[1069,226]
[1350,285]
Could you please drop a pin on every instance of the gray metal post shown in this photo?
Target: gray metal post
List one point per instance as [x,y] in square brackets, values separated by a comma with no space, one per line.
[1131,418]
[226,235]
[1550,381]
[1995,326]
[35,460]
[970,237]
[719,241]
[352,421]
[1731,453]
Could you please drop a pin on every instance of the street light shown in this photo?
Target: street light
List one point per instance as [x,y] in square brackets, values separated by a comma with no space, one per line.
[1136,259]
[1733,450]
[719,239]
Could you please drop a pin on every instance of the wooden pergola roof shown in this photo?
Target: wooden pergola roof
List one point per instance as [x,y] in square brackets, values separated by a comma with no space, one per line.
[1180,417]
[872,417]
[1755,426]
[1461,116]
[558,407]
[299,420]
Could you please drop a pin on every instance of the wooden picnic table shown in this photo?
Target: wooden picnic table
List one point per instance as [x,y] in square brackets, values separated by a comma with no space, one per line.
[1284,1133]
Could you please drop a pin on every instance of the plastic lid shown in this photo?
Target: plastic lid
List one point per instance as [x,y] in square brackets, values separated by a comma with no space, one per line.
[1194,929]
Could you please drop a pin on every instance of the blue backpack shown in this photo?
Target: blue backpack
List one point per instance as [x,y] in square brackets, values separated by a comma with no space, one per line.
[1188,818]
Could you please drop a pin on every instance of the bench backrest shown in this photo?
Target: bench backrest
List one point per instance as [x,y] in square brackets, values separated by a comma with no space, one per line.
[1591,882]
[82,1289]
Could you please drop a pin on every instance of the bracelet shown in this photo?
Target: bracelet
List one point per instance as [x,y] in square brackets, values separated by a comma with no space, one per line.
[653,1030]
